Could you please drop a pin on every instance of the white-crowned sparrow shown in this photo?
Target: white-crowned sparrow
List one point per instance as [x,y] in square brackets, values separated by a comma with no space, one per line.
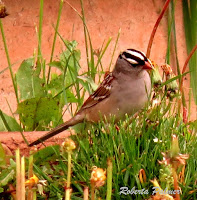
[123,91]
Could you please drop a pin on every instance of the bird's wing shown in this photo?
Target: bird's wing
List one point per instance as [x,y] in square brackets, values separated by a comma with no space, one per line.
[102,92]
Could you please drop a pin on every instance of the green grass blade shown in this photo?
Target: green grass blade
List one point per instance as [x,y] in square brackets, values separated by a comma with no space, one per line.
[117,38]
[4,121]
[40,31]
[55,36]
[190,24]
[9,62]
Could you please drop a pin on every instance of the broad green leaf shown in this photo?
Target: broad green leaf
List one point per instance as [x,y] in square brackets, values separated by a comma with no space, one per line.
[70,97]
[28,80]
[71,55]
[88,80]
[45,154]
[37,113]
[12,123]
[70,61]
[6,176]
[56,84]
[56,64]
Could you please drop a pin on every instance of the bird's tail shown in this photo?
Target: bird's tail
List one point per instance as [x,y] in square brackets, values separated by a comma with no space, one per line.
[73,121]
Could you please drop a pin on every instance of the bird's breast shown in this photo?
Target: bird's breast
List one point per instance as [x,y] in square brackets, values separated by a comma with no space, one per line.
[133,95]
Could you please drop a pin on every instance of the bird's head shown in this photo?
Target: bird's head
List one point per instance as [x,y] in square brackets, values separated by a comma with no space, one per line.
[133,60]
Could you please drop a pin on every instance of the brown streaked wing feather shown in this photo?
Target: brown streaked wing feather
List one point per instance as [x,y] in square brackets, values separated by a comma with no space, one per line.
[100,94]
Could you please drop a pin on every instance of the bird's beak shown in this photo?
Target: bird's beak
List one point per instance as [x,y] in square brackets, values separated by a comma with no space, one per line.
[148,65]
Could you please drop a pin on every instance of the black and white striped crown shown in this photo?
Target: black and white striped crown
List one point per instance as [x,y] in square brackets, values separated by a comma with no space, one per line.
[134,57]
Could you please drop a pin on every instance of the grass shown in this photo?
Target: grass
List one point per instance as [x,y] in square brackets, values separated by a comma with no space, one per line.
[190,22]
[135,145]
[129,152]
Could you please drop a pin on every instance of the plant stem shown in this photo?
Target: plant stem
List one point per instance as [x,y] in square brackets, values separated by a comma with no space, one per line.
[92,191]
[55,37]
[85,34]
[155,28]
[67,195]
[23,178]
[18,175]
[177,197]
[185,114]
[40,31]
[118,36]
[109,179]
[85,193]
[186,63]
[4,121]
[9,63]
[30,174]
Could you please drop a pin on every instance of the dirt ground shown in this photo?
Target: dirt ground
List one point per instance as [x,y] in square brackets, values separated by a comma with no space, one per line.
[104,19]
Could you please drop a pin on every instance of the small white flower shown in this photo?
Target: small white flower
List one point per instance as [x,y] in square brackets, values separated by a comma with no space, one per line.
[43,182]
[156,102]
[156,140]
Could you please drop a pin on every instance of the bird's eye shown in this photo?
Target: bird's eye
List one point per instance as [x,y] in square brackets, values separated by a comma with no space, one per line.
[120,56]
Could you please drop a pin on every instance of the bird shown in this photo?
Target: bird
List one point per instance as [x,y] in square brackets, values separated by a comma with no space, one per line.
[125,90]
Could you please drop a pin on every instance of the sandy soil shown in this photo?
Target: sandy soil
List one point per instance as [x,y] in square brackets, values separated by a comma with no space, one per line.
[14,140]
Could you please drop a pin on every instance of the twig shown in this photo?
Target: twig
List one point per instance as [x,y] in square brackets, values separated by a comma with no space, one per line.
[155,28]
[186,63]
